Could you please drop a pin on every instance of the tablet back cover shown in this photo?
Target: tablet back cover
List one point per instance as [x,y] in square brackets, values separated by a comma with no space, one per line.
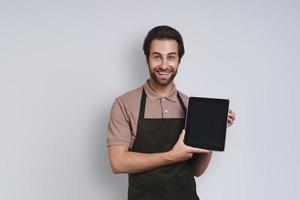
[206,123]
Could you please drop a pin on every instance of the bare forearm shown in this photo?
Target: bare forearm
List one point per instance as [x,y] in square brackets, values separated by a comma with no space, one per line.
[201,163]
[134,162]
[139,162]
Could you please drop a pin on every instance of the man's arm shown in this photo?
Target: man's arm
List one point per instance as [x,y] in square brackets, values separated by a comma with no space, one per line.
[124,161]
[201,163]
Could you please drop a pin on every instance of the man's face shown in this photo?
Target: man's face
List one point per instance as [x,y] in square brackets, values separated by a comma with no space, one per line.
[163,61]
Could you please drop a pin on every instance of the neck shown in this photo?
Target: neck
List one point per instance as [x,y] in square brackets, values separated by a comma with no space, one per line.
[161,90]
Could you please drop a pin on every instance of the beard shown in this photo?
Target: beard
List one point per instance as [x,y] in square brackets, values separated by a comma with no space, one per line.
[162,82]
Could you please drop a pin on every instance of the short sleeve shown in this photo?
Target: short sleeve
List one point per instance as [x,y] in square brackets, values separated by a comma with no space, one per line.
[119,129]
[184,98]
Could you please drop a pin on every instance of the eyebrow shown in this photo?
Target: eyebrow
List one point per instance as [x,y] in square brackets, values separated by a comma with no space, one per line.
[156,53]
[171,53]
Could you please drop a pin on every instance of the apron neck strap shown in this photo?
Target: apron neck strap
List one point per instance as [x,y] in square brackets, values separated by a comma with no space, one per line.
[142,106]
[181,103]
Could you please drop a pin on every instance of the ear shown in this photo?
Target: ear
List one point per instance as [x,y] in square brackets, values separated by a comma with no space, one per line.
[147,60]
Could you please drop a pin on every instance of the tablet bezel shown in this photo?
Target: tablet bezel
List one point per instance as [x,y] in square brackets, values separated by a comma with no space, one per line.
[187,139]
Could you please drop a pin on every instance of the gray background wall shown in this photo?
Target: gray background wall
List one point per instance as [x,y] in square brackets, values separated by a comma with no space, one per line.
[63,63]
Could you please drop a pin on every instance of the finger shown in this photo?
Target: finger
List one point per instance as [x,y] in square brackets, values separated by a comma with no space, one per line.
[181,137]
[198,150]
[229,123]
[233,113]
[231,116]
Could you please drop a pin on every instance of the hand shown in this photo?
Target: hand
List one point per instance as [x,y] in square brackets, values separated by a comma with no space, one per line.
[181,152]
[231,117]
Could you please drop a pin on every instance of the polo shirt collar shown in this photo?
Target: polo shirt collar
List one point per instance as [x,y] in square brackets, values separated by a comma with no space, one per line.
[172,96]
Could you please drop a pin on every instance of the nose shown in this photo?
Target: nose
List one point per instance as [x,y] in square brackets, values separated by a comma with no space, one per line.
[164,64]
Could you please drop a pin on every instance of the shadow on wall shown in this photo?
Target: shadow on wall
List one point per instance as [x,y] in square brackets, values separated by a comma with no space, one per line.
[116,185]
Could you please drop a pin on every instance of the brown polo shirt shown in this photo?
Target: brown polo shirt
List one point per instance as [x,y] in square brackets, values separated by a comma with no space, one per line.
[122,126]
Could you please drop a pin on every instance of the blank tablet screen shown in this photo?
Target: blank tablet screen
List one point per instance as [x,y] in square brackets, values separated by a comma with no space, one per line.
[206,123]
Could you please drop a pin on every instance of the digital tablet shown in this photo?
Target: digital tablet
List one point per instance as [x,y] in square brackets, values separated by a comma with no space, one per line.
[206,123]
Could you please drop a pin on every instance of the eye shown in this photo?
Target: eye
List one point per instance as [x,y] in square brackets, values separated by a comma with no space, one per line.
[156,57]
[172,58]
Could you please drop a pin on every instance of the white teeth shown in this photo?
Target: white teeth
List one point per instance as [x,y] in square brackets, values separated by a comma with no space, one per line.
[163,73]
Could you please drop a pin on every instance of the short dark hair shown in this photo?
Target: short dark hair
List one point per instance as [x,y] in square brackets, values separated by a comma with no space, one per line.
[161,33]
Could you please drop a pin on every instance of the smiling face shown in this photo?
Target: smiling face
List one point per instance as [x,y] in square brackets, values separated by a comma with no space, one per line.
[163,61]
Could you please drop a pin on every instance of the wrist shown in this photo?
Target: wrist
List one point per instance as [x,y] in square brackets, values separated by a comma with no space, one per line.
[169,157]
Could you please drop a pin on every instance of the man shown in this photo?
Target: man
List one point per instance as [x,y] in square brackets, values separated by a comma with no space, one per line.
[145,134]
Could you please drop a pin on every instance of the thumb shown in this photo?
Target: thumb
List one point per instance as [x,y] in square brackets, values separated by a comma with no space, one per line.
[182,134]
